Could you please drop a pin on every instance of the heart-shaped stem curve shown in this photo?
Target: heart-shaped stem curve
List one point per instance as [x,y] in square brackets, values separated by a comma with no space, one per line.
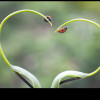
[78,19]
[10,15]
[26,73]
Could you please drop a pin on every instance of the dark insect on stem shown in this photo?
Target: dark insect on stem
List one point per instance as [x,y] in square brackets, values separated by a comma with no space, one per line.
[24,80]
[71,79]
[49,18]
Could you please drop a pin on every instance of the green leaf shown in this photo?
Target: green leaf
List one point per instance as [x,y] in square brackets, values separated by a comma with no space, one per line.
[81,75]
[34,80]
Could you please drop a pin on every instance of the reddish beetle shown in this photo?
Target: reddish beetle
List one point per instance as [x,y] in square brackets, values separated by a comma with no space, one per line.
[62,30]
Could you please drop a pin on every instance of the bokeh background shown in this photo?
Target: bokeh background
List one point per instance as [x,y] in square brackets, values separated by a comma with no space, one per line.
[31,43]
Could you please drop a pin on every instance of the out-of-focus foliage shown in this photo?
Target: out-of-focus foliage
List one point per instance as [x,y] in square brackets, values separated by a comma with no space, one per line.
[30,42]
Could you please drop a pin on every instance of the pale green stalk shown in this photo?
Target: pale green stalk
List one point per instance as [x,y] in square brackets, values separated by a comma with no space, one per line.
[94,72]
[17,69]
[57,79]
[10,15]
[4,57]
[34,80]
[78,19]
[81,75]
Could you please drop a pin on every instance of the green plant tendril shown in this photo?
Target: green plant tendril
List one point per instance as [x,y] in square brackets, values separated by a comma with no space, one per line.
[57,79]
[10,15]
[94,72]
[78,19]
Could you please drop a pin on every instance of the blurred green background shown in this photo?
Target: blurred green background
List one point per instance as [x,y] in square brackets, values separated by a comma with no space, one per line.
[31,43]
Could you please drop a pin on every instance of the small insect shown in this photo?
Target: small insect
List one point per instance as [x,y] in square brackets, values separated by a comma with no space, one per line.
[62,30]
[48,17]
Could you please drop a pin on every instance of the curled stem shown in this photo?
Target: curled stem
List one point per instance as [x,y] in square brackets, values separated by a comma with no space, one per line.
[78,19]
[10,15]
[3,55]
[56,81]
[94,72]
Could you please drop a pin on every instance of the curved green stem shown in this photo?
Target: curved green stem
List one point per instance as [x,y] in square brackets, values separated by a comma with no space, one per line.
[10,15]
[4,57]
[86,20]
[78,19]
[94,72]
